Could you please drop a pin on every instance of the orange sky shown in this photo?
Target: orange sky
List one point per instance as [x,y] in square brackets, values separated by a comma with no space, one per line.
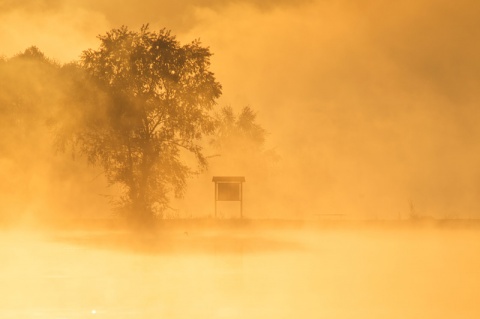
[370,104]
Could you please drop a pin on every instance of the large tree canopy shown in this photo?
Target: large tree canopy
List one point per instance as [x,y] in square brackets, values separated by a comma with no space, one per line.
[160,95]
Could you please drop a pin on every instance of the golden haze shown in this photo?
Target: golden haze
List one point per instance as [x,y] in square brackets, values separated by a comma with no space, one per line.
[372,107]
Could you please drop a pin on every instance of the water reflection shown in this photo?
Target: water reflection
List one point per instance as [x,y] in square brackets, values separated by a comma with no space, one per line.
[251,272]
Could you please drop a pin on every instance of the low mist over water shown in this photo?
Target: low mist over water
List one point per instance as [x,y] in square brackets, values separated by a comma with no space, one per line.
[243,270]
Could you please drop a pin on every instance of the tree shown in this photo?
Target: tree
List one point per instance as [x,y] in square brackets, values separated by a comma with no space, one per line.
[239,140]
[31,96]
[238,131]
[27,99]
[160,95]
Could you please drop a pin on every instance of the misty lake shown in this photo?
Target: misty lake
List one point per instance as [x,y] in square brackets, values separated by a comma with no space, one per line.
[252,270]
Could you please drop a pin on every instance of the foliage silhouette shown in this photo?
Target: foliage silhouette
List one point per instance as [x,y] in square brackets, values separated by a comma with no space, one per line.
[159,98]
[27,101]
[31,96]
[238,130]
